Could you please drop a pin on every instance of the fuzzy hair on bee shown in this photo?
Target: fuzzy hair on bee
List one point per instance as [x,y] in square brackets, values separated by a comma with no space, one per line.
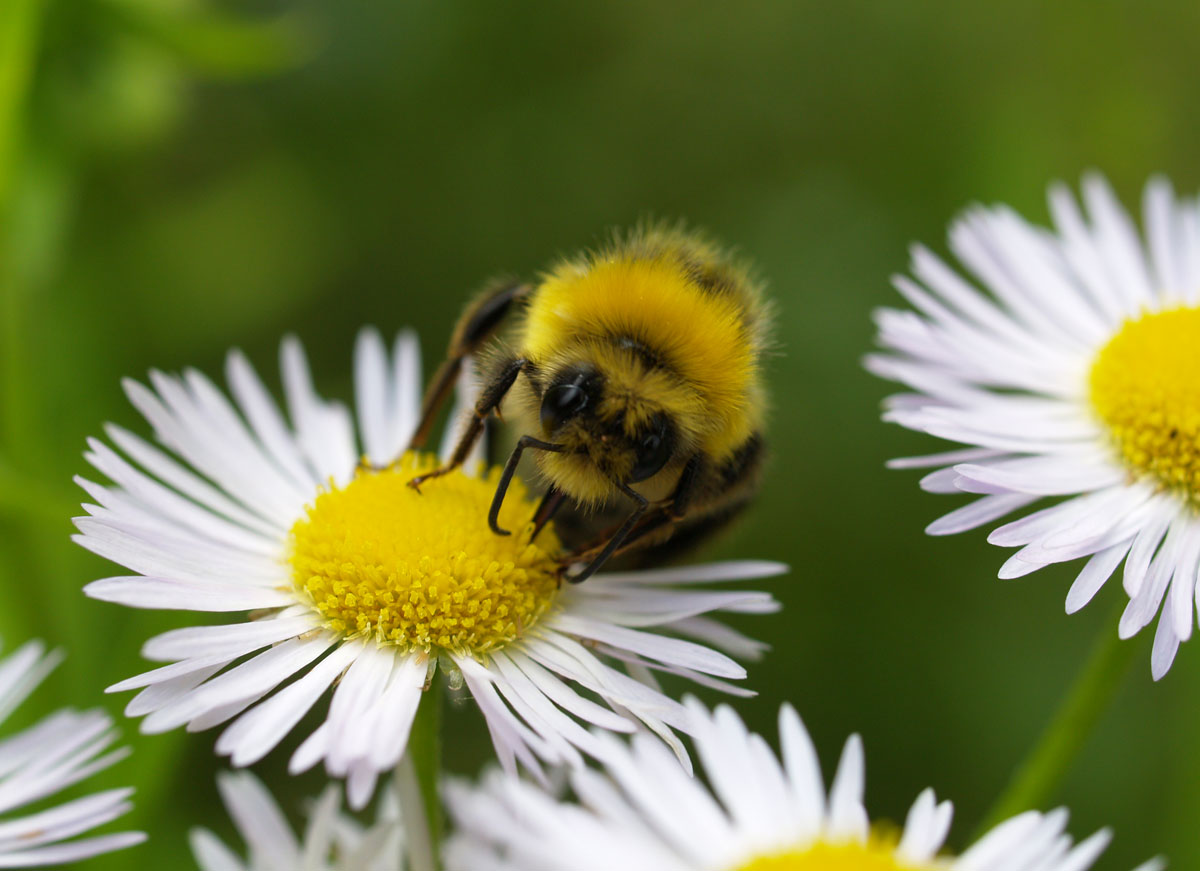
[634,373]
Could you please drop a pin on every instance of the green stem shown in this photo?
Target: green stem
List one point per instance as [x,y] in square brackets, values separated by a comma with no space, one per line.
[418,777]
[1034,782]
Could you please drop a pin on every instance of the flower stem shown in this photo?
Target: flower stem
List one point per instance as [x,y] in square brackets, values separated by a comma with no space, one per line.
[1034,782]
[417,777]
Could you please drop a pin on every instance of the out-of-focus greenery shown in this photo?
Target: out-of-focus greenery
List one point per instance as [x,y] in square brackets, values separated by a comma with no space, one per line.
[178,179]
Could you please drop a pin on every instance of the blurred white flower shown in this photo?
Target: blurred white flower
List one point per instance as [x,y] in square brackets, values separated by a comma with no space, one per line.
[60,750]
[332,840]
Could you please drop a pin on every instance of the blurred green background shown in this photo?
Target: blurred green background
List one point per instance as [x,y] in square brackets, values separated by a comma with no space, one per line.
[177,179]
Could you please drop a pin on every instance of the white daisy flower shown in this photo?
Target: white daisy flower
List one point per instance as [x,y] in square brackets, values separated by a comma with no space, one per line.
[59,751]
[1074,375]
[644,813]
[354,581]
[332,840]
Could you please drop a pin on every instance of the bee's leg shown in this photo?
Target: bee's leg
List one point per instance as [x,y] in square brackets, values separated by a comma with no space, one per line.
[615,542]
[477,324]
[725,493]
[506,476]
[661,515]
[546,510]
[689,535]
[493,392]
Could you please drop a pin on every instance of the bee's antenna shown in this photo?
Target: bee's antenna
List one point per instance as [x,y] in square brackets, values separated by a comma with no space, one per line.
[510,469]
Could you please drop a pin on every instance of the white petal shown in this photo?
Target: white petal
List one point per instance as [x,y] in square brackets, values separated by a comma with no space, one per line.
[979,512]
[847,816]
[803,772]
[1166,645]
[231,640]
[188,483]
[22,671]
[323,429]
[258,818]
[142,592]
[372,399]
[258,732]
[72,851]
[257,675]
[266,420]
[663,649]
[211,854]
[708,573]
[396,709]
[406,390]
[1098,570]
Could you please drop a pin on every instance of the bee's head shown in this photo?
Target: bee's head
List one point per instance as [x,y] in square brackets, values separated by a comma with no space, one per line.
[609,433]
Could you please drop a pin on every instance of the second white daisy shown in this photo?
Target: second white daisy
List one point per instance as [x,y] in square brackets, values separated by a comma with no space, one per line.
[356,582]
[1075,376]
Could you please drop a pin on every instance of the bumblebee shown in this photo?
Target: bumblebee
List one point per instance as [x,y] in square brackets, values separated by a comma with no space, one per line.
[634,374]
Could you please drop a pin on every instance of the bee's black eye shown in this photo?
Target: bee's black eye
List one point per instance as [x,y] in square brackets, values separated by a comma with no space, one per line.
[653,450]
[569,395]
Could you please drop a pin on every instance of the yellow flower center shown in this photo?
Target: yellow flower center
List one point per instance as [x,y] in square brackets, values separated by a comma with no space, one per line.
[423,570]
[878,854]
[1145,385]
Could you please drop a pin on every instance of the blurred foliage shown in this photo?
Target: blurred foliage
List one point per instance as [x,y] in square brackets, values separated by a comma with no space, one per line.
[177,178]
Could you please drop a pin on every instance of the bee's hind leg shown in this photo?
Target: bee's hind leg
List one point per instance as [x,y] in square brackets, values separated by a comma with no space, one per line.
[727,493]
[478,323]
[489,398]
[657,519]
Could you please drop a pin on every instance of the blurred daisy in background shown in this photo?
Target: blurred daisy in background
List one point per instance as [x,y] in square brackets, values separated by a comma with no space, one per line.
[332,840]
[59,751]
[347,577]
[1071,371]
[762,813]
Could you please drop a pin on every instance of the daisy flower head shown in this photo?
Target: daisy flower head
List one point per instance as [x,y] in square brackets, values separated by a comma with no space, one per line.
[1066,363]
[58,751]
[762,813]
[346,578]
[332,840]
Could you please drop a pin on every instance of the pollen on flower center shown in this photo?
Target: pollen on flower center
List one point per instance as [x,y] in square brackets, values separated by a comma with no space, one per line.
[878,854]
[1145,385]
[423,570]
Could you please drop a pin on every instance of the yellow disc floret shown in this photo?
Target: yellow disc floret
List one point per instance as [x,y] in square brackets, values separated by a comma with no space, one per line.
[878,854]
[1145,385]
[423,570]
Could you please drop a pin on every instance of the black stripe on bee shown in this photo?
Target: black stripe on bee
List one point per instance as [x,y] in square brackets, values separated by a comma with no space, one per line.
[708,279]
[743,461]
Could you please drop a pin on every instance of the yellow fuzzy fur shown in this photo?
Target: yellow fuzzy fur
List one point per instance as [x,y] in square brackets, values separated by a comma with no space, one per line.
[642,289]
